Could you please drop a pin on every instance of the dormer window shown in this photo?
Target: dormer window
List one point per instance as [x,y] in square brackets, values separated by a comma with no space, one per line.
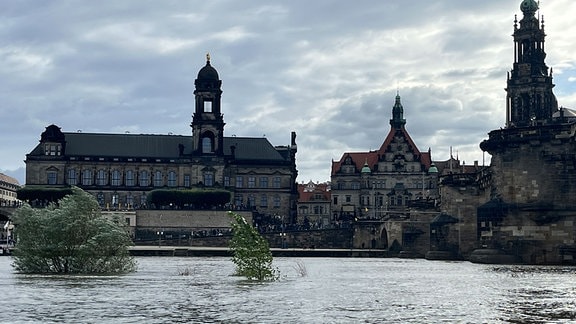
[53,149]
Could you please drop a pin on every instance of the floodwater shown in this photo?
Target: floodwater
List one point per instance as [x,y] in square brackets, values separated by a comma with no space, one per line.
[311,290]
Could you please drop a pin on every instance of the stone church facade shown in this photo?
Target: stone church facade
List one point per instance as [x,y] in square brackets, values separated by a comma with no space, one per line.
[120,169]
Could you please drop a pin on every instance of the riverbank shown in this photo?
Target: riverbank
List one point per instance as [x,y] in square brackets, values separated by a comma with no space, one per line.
[193,251]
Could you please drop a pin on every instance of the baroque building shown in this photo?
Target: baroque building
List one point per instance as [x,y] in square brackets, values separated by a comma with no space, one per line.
[120,169]
[531,214]
[383,183]
[314,205]
[8,188]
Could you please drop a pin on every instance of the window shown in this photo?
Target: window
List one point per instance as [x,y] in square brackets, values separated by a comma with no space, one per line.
[206,145]
[276,182]
[101,178]
[209,179]
[238,200]
[100,198]
[263,182]
[130,178]
[251,182]
[52,177]
[52,149]
[158,179]
[129,201]
[226,181]
[72,177]
[276,201]
[87,177]
[239,182]
[318,210]
[355,185]
[264,201]
[348,198]
[251,201]
[143,200]
[116,178]
[171,179]
[187,181]
[144,179]
[207,106]
[335,198]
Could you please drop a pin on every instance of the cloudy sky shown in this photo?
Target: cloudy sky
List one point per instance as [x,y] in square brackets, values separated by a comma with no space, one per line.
[327,69]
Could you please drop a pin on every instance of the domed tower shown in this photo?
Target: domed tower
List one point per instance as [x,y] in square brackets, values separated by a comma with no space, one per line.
[530,99]
[207,120]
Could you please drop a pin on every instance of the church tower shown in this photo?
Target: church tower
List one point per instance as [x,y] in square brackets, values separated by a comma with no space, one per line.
[397,121]
[207,120]
[530,99]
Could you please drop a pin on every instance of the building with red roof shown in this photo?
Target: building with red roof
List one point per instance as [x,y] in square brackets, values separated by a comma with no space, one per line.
[314,204]
[374,184]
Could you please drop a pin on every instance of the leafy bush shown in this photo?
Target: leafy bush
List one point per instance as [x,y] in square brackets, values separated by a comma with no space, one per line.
[71,238]
[251,252]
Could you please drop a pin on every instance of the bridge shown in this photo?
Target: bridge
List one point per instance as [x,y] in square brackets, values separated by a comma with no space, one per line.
[6,212]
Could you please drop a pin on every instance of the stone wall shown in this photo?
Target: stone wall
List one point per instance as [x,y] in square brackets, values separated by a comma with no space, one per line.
[189,219]
[534,175]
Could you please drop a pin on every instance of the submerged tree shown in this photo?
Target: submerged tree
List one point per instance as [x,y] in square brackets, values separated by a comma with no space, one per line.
[250,251]
[71,237]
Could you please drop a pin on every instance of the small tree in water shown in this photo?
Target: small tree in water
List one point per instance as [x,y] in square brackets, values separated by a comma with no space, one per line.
[71,237]
[250,251]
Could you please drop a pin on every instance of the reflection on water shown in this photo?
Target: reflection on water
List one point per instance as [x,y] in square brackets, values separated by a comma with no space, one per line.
[539,294]
[202,290]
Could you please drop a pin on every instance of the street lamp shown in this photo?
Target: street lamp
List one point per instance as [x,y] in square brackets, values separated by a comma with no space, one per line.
[283,237]
[159,237]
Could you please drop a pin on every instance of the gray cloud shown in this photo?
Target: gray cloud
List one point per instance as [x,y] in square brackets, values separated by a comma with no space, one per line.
[328,70]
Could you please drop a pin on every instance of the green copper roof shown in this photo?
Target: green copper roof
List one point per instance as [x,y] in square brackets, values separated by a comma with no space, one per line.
[529,6]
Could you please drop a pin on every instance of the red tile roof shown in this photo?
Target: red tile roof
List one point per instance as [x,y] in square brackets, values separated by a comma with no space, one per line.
[371,157]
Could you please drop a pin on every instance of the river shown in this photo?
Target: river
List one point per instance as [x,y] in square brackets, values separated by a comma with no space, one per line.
[311,290]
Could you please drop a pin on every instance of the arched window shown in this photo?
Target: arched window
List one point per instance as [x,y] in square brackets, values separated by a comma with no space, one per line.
[87,177]
[171,179]
[130,178]
[158,179]
[72,177]
[116,177]
[144,179]
[101,178]
[206,145]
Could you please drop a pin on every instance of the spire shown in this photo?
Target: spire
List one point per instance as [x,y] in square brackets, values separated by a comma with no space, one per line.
[398,120]
[530,97]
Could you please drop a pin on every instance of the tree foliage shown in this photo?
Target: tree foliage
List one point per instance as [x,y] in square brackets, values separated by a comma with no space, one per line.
[41,193]
[71,237]
[196,198]
[250,251]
